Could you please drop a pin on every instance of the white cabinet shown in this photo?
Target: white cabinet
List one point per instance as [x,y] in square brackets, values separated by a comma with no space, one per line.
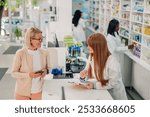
[141,80]
[94,14]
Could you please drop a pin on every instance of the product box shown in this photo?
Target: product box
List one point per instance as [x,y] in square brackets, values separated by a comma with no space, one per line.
[147,30]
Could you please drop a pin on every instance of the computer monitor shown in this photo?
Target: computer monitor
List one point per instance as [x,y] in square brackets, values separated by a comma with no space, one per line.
[57,57]
[56,41]
[53,42]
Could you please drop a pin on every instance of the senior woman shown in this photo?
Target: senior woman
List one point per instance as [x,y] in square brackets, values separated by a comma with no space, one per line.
[29,67]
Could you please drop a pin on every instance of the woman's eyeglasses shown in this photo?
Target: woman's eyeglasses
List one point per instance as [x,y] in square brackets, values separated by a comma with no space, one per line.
[40,39]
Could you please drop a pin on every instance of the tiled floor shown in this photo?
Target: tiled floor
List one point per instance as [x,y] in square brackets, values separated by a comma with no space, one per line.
[2,72]
[12,49]
[7,86]
[7,83]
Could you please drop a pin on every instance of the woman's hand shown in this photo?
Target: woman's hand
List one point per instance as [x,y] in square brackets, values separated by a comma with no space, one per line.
[34,75]
[43,75]
[83,74]
[89,85]
[131,46]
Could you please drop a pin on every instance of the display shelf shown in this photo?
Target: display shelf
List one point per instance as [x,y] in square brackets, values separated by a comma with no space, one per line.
[124,19]
[146,24]
[125,5]
[105,11]
[124,36]
[147,6]
[136,37]
[136,22]
[126,28]
[125,15]
[134,11]
[137,17]
[134,18]
[134,41]
[148,36]
[125,24]
[125,32]
[94,14]
[138,6]
[107,4]
[136,32]
[137,28]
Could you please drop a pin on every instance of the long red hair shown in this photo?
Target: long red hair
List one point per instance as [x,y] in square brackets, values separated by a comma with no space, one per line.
[100,55]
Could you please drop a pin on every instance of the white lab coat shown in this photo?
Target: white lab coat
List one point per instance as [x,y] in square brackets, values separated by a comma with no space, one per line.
[115,47]
[112,73]
[78,32]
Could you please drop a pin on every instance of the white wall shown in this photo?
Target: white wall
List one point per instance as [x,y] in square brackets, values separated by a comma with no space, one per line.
[63,26]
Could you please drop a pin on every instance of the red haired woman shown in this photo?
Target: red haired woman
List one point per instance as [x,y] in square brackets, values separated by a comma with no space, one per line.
[104,67]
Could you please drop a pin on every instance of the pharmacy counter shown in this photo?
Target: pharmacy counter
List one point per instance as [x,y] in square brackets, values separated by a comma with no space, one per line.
[137,72]
[63,89]
[137,60]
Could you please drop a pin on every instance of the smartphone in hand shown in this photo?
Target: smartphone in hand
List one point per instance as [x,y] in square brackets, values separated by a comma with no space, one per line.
[40,71]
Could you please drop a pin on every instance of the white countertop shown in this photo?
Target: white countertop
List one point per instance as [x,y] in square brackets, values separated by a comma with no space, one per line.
[52,90]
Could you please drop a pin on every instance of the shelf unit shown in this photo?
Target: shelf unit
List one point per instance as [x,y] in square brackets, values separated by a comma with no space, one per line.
[134,18]
[105,13]
[94,14]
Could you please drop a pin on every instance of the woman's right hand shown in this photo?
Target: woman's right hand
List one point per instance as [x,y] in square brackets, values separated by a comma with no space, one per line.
[83,73]
[34,75]
[89,85]
[131,46]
